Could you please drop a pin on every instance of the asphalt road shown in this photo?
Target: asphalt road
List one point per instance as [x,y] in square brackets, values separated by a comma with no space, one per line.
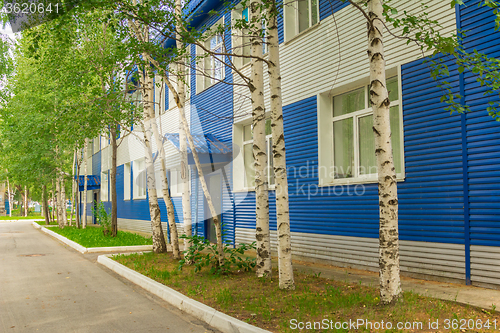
[46,286]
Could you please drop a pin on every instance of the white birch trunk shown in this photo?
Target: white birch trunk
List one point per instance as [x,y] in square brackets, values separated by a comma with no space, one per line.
[186,191]
[63,202]
[159,245]
[286,280]
[26,194]
[85,171]
[262,233]
[174,237]
[390,285]
[10,197]
[73,186]
[58,202]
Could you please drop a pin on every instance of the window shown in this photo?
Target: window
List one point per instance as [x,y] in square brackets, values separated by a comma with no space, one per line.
[211,67]
[96,143]
[104,186]
[300,15]
[176,182]
[352,143]
[126,181]
[248,159]
[139,171]
[241,38]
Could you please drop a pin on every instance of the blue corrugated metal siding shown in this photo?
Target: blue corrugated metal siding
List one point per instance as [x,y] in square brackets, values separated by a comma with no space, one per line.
[214,111]
[328,7]
[96,163]
[431,199]
[483,133]
[333,207]
[139,209]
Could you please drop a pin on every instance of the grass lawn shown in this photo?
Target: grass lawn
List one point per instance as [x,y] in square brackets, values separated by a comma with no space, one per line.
[34,217]
[315,299]
[94,237]
[42,223]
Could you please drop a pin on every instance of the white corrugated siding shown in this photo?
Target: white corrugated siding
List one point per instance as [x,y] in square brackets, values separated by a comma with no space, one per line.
[310,62]
[143,226]
[437,259]
[485,264]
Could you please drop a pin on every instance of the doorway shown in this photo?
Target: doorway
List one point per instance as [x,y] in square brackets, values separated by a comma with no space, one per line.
[94,204]
[215,189]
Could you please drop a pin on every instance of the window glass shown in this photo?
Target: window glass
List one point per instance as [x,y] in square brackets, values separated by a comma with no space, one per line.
[303,15]
[247,133]
[249,167]
[268,127]
[349,102]
[392,87]
[314,12]
[396,138]
[367,160]
[343,148]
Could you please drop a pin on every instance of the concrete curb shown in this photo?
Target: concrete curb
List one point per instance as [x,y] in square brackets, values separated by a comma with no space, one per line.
[82,249]
[214,318]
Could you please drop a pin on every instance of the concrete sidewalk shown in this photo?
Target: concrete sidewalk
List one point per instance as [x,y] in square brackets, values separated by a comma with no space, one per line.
[46,286]
[476,296]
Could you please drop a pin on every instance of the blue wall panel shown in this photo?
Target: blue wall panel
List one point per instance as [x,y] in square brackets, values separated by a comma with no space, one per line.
[96,164]
[483,133]
[329,7]
[211,112]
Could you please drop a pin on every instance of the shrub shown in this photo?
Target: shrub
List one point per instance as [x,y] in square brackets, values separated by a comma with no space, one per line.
[103,218]
[202,253]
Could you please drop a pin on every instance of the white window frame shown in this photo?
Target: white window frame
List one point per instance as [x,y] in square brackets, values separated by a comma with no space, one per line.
[176,181]
[325,134]
[268,155]
[126,181]
[291,18]
[104,186]
[139,192]
[207,63]
[238,41]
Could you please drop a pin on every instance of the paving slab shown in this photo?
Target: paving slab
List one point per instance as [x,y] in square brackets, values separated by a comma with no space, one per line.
[45,286]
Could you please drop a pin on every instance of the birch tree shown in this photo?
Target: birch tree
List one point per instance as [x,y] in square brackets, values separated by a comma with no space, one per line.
[159,245]
[262,233]
[186,191]
[286,280]
[85,175]
[390,285]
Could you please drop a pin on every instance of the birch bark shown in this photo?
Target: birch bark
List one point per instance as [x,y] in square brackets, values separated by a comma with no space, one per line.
[390,285]
[85,171]
[10,197]
[60,221]
[286,280]
[159,245]
[174,237]
[114,202]
[186,192]
[63,202]
[26,195]
[45,205]
[72,189]
[262,233]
